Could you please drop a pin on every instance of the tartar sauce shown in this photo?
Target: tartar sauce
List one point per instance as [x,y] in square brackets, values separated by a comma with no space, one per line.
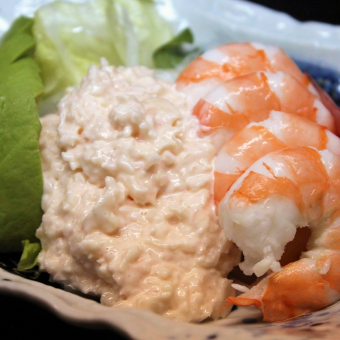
[128,207]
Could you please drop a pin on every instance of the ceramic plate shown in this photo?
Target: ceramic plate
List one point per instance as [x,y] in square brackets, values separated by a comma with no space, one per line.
[316,48]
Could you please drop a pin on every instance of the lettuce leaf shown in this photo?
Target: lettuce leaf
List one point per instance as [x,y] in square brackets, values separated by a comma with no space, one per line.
[20,168]
[29,257]
[72,36]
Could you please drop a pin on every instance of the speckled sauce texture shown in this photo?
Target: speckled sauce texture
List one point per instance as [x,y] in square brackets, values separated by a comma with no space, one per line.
[128,208]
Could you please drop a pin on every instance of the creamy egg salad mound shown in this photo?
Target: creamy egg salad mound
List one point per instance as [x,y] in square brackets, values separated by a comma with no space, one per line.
[128,210]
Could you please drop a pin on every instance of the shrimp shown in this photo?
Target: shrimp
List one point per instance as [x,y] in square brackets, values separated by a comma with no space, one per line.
[329,104]
[232,105]
[254,141]
[279,193]
[233,60]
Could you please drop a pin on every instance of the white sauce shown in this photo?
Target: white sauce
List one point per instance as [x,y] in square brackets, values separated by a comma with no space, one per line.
[128,209]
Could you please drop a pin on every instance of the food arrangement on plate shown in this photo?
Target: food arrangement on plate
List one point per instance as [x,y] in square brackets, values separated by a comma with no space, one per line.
[153,192]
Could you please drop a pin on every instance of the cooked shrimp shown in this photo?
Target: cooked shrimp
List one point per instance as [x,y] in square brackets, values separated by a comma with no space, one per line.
[233,60]
[280,192]
[254,141]
[329,104]
[250,98]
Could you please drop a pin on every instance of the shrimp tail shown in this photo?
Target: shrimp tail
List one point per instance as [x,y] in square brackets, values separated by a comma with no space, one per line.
[244,302]
[278,188]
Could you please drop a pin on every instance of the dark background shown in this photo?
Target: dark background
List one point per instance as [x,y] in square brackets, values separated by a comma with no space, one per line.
[307,10]
[21,319]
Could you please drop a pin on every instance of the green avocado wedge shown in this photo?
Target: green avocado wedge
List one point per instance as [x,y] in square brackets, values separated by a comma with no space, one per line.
[21,183]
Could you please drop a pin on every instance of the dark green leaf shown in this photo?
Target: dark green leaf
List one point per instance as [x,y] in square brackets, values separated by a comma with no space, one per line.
[20,168]
[20,45]
[172,53]
[20,25]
